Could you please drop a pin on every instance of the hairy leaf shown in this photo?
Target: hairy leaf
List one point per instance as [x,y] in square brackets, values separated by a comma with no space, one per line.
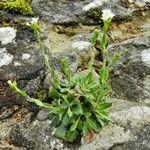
[60,132]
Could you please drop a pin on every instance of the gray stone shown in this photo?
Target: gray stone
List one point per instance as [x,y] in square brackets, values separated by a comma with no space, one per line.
[126,131]
[35,136]
[5,58]
[130,129]
[107,138]
[140,3]
[86,12]
[32,86]
[42,115]
[129,74]
[7,35]
[22,57]
[72,56]
[146,26]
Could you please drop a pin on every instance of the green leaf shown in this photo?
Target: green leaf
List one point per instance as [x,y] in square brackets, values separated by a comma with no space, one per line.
[85,128]
[94,37]
[72,135]
[92,124]
[55,110]
[87,114]
[104,74]
[70,96]
[107,24]
[69,112]
[74,125]
[115,58]
[64,105]
[102,122]
[54,93]
[77,109]
[55,80]
[90,97]
[38,102]
[104,105]
[103,114]
[103,42]
[55,120]
[66,70]
[13,85]
[60,132]
[65,120]
[89,77]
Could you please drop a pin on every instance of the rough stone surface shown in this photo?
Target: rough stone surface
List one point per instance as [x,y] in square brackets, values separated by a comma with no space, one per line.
[22,57]
[130,128]
[6,58]
[86,12]
[126,131]
[42,115]
[66,31]
[35,135]
[7,35]
[128,76]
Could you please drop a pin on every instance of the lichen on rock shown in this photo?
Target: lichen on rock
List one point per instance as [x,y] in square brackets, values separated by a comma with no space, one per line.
[21,6]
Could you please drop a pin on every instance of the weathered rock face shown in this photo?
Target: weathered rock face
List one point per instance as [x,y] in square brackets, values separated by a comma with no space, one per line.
[129,130]
[19,54]
[67,32]
[130,77]
[86,12]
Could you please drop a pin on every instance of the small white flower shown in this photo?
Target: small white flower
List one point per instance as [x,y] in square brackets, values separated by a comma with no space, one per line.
[34,20]
[9,82]
[107,13]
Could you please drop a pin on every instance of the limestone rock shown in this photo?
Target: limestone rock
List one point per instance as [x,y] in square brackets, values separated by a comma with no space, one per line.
[130,76]
[20,56]
[86,12]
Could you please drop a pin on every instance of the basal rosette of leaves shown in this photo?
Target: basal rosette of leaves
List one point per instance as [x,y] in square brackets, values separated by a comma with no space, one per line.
[79,105]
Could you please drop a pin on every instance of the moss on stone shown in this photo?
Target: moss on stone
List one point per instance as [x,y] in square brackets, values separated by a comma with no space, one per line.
[19,6]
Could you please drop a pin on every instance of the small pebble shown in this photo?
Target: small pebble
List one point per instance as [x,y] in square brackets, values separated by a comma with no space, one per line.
[42,115]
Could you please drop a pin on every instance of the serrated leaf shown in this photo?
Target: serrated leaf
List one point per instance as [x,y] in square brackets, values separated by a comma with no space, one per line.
[55,80]
[89,77]
[85,128]
[65,120]
[103,114]
[103,42]
[66,70]
[102,122]
[77,109]
[72,135]
[92,124]
[94,37]
[64,105]
[104,74]
[115,58]
[55,110]
[90,97]
[74,125]
[69,112]
[104,105]
[54,93]
[60,132]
